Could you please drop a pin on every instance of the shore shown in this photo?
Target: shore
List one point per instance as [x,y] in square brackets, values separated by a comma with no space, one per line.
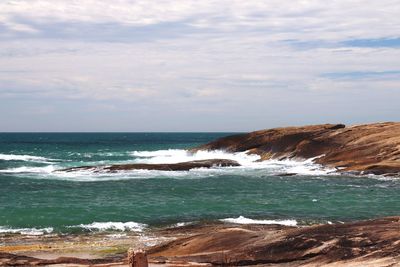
[369,243]
[364,149]
[359,149]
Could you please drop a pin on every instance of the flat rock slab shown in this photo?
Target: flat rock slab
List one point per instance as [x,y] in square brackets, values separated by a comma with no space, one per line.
[182,166]
[365,241]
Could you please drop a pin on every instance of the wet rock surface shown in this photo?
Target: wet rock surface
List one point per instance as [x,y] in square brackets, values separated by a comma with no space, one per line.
[182,166]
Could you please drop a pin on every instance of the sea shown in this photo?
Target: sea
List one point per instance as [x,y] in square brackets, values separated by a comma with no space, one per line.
[36,198]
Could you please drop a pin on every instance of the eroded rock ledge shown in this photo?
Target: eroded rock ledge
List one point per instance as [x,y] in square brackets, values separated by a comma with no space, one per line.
[182,166]
[365,243]
[350,244]
[369,148]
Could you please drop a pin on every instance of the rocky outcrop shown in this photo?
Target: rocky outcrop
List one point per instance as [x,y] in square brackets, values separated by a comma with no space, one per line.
[342,244]
[369,148]
[8,259]
[364,243]
[182,166]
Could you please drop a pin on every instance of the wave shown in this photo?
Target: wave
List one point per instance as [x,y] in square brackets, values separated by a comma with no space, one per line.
[180,155]
[301,167]
[36,170]
[97,154]
[244,220]
[250,166]
[247,161]
[26,231]
[10,157]
[93,227]
[114,226]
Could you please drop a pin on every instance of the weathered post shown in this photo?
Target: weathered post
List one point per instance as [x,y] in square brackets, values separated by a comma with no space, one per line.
[137,258]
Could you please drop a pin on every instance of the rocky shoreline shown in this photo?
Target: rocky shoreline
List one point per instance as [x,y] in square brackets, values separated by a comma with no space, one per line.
[370,243]
[360,149]
[363,241]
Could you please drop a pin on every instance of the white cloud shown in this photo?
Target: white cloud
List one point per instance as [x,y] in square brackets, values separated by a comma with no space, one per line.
[239,59]
[301,19]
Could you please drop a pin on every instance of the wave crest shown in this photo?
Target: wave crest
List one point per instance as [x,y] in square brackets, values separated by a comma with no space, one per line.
[38,170]
[180,155]
[244,220]
[114,226]
[9,157]
[26,231]
[250,166]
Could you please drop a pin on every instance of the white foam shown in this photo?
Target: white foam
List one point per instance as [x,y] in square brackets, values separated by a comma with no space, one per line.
[244,220]
[250,166]
[43,170]
[26,231]
[115,226]
[181,224]
[247,161]
[180,155]
[9,157]
[117,236]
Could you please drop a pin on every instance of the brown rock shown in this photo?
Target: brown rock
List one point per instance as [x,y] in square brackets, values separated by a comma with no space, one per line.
[182,166]
[370,148]
[8,259]
[137,259]
[365,241]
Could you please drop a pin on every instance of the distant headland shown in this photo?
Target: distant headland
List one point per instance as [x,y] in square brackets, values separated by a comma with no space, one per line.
[362,149]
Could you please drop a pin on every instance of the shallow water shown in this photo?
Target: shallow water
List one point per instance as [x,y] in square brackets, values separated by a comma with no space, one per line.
[35,200]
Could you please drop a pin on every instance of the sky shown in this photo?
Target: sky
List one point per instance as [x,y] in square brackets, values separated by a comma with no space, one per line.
[124,65]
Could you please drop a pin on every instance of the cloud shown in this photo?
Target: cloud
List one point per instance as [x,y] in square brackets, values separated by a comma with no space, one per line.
[237,60]
[300,20]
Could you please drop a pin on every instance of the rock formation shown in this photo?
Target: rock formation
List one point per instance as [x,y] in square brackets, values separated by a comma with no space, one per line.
[137,258]
[8,259]
[182,166]
[370,148]
[346,244]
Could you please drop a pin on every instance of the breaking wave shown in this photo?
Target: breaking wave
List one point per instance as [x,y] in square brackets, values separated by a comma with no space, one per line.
[38,170]
[180,155]
[25,231]
[244,220]
[112,226]
[250,166]
[247,161]
[9,157]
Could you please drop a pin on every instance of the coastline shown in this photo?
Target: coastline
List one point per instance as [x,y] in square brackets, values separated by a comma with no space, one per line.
[373,242]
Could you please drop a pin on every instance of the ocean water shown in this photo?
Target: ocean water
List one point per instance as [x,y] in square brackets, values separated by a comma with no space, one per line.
[36,198]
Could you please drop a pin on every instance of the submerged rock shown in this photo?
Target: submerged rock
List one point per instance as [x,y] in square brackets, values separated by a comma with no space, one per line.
[182,166]
[283,174]
[366,149]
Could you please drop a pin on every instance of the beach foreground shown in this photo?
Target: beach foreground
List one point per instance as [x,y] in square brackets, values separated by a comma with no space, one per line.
[368,243]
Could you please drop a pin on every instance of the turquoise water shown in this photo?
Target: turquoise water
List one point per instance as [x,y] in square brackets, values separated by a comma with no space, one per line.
[34,195]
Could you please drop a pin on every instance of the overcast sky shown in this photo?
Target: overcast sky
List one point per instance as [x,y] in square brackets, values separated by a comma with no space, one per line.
[124,65]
